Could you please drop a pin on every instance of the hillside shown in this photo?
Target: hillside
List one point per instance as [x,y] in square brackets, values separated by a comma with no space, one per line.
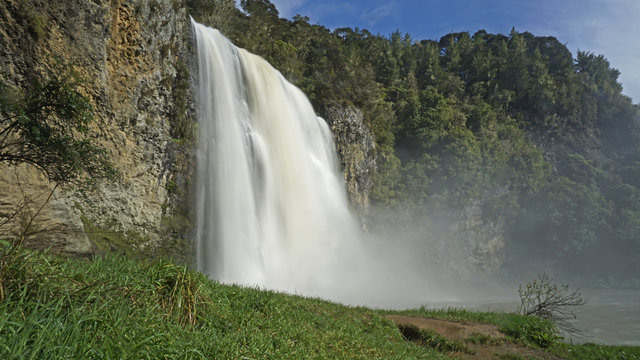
[127,64]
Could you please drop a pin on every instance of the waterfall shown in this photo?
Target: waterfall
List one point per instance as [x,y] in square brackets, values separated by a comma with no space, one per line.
[272,210]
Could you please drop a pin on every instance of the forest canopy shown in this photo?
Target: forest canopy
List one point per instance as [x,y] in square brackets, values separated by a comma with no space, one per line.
[542,141]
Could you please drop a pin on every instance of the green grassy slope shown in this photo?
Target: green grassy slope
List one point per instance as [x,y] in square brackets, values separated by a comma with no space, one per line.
[120,308]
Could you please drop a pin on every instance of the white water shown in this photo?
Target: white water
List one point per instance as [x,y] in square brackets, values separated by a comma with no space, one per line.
[272,208]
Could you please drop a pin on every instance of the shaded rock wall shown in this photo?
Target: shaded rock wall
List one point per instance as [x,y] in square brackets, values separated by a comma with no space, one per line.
[474,242]
[356,152]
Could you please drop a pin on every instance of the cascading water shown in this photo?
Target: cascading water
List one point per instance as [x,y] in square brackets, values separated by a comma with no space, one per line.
[272,209]
[271,205]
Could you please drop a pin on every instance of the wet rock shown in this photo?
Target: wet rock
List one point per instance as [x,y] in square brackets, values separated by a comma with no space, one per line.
[356,153]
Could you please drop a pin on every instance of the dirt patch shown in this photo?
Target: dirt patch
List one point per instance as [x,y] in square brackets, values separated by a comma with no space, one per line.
[453,330]
[480,341]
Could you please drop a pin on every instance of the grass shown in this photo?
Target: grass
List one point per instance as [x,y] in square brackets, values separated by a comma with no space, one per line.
[109,241]
[430,338]
[596,352]
[511,356]
[116,307]
[482,339]
[529,331]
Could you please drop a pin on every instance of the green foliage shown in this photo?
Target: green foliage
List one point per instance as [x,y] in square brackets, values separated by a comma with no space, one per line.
[117,307]
[46,126]
[221,14]
[183,127]
[597,352]
[180,293]
[511,356]
[112,241]
[34,20]
[529,330]
[568,219]
[483,339]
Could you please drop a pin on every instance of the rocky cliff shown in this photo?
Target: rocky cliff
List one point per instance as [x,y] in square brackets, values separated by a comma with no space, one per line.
[135,57]
[471,242]
[356,152]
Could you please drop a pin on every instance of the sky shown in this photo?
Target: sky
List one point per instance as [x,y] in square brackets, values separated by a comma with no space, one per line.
[607,27]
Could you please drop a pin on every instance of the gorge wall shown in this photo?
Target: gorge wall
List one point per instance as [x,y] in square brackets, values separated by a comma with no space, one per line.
[134,56]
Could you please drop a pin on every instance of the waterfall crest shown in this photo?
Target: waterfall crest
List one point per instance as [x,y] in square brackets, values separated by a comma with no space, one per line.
[272,210]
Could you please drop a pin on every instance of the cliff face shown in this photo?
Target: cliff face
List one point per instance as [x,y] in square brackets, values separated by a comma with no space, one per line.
[472,243]
[135,57]
[356,152]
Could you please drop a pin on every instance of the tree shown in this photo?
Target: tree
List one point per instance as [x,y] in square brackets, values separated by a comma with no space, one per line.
[545,299]
[46,126]
[544,142]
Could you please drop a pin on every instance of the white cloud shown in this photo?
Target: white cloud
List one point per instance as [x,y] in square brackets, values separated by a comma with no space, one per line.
[610,28]
[288,8]
[615,32]
[372,15]
[334,14]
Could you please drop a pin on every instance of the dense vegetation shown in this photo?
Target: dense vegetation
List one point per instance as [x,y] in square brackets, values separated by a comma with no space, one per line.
[121,308]
[543,143]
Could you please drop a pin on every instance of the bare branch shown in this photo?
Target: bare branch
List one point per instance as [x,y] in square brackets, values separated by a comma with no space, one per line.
[545,299]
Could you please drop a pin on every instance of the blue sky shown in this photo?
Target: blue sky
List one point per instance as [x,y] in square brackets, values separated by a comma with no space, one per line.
[608,27]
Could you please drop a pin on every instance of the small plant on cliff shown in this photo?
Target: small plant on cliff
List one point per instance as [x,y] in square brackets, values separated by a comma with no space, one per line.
[543,298]
[183,129]
[46,126]
[36,22]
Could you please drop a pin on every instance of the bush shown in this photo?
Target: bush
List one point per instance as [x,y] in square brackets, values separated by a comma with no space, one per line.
[545,299]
